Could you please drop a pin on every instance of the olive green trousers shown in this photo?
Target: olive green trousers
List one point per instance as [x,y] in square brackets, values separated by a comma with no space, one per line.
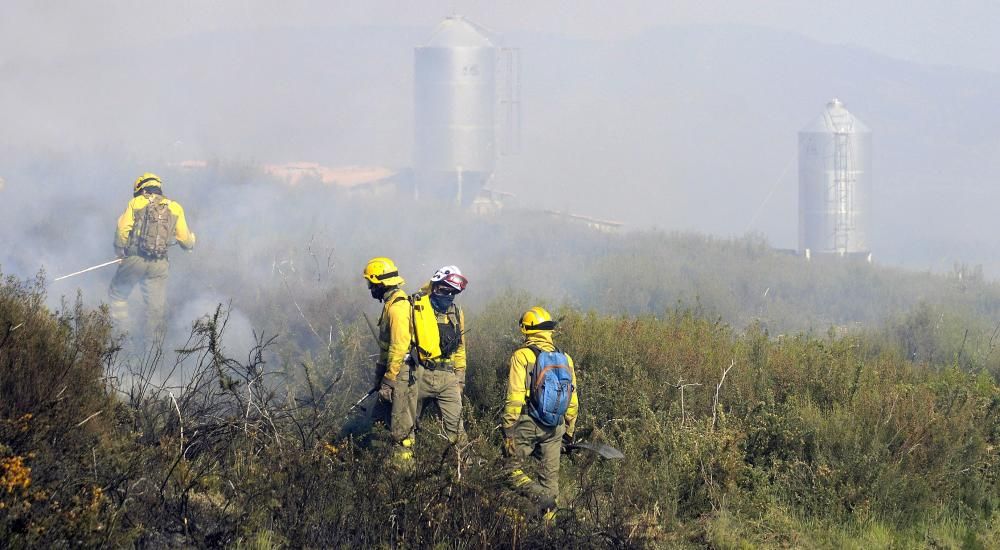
[440,385]
[151,275]
[528,436]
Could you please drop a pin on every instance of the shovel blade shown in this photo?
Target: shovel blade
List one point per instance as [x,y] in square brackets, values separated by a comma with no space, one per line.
[602,450]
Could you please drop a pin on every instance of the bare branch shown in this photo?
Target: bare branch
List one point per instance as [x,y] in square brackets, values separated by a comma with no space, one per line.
[85,420]
[180,421]
[680,386]
[715,402]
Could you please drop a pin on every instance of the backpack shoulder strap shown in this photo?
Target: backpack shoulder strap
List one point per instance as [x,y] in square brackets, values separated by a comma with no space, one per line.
[530,368]
[399,295]
[391,303]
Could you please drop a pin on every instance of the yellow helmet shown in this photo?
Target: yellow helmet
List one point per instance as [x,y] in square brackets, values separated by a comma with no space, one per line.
[536,320]
[146,180]
[382,271]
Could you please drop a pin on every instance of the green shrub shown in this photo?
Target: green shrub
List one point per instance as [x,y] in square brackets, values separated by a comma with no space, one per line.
[733,437]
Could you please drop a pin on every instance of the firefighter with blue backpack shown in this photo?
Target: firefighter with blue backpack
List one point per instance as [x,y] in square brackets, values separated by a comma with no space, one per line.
[540,411]
[146,229]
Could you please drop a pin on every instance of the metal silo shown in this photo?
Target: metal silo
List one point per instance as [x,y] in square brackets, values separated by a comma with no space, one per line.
[455,100]
[835,184]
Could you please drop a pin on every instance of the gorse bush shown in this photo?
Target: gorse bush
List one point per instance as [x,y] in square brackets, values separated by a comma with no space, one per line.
[54,411]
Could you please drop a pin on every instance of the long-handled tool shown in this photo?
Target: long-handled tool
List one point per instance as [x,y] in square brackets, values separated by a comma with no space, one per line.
[371,327]
[357,404]
[99,266]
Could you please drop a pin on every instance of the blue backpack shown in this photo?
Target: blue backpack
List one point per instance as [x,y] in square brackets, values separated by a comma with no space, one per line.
[551,387]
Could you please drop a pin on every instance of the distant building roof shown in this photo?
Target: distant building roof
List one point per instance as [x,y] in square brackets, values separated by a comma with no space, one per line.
[594,223]
[293,173]
[190,164]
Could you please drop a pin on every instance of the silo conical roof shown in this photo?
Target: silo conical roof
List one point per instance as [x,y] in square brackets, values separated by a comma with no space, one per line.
[456,32]
[836,119]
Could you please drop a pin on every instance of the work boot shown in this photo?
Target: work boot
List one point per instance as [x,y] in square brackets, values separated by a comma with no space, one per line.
[547,510]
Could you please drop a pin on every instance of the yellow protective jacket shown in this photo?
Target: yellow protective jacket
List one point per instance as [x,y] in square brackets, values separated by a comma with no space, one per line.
[521,363]
[454,312]
[126,222]
[394,337]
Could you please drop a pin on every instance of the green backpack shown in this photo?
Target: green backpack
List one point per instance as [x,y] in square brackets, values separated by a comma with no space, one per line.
[155,228]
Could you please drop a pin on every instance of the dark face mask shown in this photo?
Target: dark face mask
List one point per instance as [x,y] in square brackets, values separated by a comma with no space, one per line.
[441,302]
[378,291]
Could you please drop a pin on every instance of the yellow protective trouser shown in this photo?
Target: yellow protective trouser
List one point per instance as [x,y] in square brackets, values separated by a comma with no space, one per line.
[529,435]
[152,278]
[441,385]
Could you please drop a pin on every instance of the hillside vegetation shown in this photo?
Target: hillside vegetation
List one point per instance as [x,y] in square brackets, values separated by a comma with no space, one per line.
[847,406]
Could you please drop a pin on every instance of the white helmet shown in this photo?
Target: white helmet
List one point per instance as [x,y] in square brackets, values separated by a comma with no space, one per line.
[440,274]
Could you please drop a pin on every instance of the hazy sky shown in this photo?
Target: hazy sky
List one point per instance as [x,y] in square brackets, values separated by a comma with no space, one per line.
[953,32]
[696,123]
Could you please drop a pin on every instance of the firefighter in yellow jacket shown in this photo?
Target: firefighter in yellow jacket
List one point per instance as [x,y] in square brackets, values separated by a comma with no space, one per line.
[149,225]
[395,380]
[442,378]
[523,426]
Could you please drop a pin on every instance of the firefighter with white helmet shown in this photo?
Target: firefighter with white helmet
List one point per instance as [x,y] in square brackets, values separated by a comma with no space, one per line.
[442,377]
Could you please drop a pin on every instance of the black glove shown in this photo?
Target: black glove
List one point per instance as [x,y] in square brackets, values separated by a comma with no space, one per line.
[567,440]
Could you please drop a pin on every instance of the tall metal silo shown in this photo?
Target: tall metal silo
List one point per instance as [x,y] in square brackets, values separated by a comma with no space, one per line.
[455,103]
[835,184]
